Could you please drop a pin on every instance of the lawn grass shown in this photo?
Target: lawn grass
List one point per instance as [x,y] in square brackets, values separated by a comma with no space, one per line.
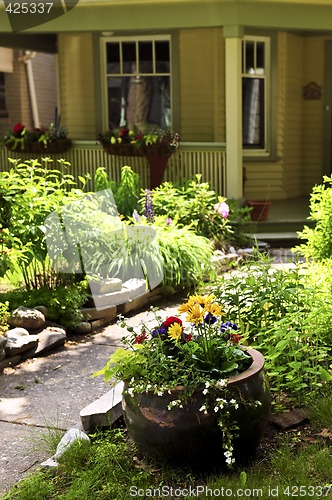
[297,463]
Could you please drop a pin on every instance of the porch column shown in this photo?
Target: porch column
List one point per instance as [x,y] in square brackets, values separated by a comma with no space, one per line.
[233,88]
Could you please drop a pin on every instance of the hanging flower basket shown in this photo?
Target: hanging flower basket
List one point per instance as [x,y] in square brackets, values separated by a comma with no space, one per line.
[157,145]
[54,147]
[119,149]
[41,141]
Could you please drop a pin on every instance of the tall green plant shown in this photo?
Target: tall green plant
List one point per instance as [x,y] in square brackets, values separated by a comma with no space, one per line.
[29,192]
[126,192]
[318,239]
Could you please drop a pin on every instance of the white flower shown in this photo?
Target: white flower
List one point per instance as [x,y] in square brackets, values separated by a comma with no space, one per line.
[204,392]
[216,408]
[221,383]
[207,384]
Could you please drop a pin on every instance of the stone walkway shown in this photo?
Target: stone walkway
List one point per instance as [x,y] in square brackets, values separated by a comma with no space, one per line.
[51,391]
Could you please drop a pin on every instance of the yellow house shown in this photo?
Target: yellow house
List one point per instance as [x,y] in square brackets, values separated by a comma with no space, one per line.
[246,83]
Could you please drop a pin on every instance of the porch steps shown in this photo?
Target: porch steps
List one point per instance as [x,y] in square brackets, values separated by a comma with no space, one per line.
[278,233]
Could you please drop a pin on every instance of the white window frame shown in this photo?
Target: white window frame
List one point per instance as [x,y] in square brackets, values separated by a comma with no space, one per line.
[105,74]
[266,76]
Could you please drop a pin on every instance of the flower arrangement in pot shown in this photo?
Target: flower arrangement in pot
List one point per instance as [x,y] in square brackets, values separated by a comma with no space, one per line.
[192,393]
[155,143]
[51,140]
[141,142]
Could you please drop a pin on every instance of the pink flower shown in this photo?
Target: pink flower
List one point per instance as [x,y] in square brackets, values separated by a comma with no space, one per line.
[222,208]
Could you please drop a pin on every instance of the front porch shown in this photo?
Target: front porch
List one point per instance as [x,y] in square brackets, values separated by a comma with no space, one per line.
[207,159]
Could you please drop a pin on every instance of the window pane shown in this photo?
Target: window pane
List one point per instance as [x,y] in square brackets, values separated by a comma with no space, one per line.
[113,57]
[260,55]
[129,57]
[253,112]
[137,101]
[250,57]
[145,57]
[162,57]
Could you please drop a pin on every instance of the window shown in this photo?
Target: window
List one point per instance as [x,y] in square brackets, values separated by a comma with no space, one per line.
[138,84]
[255,92]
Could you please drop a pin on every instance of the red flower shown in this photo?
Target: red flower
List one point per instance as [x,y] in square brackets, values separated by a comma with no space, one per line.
[188,337]
[140,338]
[138,137]
[235,338]
[18,128]
[172,319]
[123,131]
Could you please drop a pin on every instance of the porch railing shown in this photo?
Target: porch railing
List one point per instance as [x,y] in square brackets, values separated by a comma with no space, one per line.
[208,159]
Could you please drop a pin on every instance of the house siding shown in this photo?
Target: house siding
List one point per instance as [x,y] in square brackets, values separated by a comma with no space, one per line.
[77,92]
[202,103]
[313,110]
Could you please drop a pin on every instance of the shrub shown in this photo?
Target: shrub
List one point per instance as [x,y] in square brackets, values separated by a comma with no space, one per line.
[319,238]
[288,315]
[196,205]
[64,303]
[28,193]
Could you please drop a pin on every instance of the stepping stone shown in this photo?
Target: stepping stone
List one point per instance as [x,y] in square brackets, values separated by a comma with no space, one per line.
[289,419]
[104,411]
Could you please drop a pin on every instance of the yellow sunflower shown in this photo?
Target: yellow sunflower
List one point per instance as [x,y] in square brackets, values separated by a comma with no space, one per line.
[214,309]
[196,314]
[175,331]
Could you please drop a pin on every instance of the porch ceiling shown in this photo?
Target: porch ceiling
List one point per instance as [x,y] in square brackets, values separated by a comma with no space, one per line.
[134,15]
[41,42]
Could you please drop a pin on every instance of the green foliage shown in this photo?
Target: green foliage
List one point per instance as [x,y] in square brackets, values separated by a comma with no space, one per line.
[4,315]
[186,256]
[28,193]
[319,238]
[126,192]
[64,303]
[110,469]
[287,314]
[193,205]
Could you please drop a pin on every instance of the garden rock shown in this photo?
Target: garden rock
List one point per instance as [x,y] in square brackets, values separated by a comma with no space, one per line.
[103,412]
[65,443]
[25,317]
[18,343]
[50,338]
[43,310]
[3,341]
[83,327]
[17,332]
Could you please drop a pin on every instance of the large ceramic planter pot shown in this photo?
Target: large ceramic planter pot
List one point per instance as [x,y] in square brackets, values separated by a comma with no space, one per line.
[187,435]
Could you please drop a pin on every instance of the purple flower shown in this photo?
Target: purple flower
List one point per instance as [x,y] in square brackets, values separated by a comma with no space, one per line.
[136,216]
[168,221]
[210,319]
[222,208]
[149,206]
